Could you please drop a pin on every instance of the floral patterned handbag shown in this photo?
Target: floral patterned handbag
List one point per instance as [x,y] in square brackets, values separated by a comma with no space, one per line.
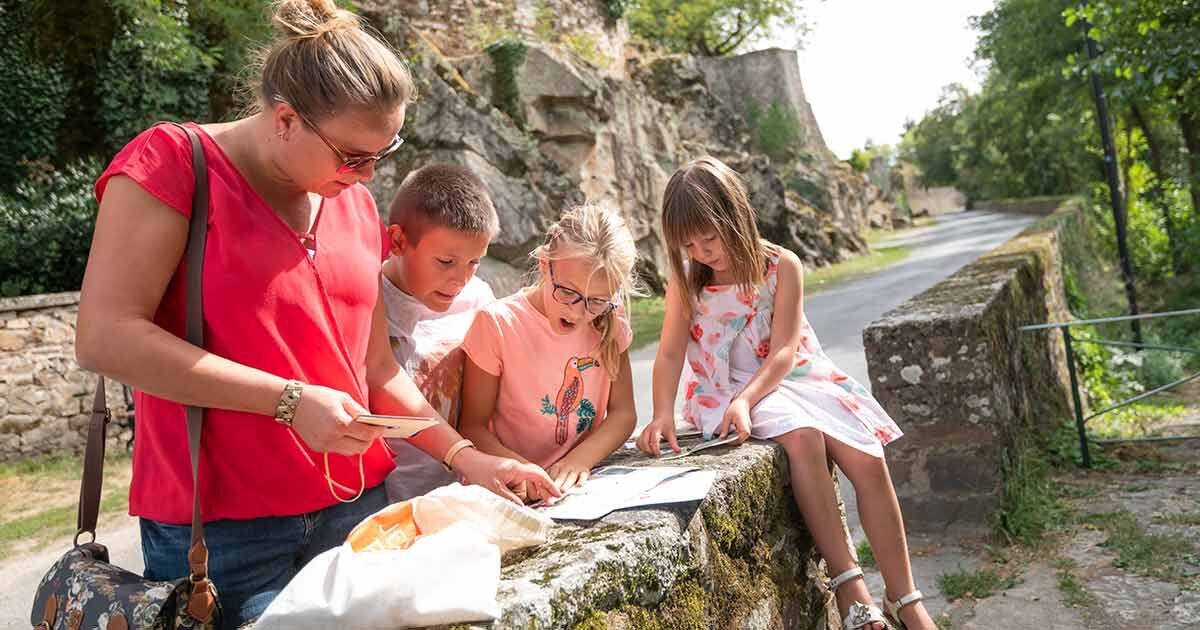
[82,591]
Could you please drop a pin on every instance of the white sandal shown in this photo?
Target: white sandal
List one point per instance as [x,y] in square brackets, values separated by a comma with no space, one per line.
[893,608]
[859,614]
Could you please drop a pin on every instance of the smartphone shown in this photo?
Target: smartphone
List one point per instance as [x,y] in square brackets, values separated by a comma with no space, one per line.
[398,426]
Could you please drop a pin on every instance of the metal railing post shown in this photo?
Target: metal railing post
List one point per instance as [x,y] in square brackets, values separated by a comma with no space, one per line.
[1083,443]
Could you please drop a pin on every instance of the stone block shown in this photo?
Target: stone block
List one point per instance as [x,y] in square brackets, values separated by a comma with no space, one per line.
[53,332]
[38,439]
[13,340]
[10,446]
[19,423]
[71,441]
[79,422]
[953,369]
[967,473]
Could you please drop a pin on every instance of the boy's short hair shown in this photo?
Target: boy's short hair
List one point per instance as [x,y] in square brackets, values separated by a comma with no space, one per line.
[445,195]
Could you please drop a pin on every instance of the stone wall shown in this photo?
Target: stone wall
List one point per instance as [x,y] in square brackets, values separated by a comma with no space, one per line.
[964,384]
[45,398]
[739,559]
[1041,206]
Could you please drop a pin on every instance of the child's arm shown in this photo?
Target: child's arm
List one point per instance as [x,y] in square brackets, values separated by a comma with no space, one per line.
[602,440]
[668,364]
[392,391]
[479,392]
[785,338]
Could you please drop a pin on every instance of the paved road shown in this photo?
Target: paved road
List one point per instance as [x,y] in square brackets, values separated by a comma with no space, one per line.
[838,315]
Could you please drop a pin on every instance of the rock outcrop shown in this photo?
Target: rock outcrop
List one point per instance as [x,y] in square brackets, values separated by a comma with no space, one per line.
[547,125]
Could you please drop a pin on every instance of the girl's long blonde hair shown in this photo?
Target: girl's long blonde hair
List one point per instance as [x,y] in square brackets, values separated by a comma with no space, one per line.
[601,236]
[706,195]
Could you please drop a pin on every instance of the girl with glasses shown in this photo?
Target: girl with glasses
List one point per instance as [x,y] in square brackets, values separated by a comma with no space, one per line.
[547,377]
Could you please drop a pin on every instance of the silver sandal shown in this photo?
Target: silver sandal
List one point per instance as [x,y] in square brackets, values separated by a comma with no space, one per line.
[859,614]
[893,608]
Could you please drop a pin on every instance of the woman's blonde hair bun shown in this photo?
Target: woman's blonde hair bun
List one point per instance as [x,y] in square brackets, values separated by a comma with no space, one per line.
[307,19]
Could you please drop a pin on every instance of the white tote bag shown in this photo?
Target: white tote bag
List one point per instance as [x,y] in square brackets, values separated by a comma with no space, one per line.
[449,575]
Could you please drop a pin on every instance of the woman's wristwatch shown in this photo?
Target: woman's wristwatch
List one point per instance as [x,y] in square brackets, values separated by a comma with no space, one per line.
[455,449]
[285,411]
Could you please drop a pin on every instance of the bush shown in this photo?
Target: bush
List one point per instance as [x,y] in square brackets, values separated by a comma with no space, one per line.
[777,131]
[34,93]
[46,228]
[507,56]
[157,69]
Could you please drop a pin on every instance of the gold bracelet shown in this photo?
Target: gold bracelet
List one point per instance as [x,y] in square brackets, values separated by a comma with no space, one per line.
[285,410]
[455,449]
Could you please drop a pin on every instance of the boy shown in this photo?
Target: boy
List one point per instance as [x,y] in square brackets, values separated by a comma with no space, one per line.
[439,226]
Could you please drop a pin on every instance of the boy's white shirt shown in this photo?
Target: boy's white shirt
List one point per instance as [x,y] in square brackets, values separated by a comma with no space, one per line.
[426,344]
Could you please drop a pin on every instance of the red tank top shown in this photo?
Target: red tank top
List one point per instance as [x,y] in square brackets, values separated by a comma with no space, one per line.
[268,305]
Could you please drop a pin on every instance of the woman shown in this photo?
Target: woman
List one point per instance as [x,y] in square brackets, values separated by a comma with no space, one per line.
[296,345]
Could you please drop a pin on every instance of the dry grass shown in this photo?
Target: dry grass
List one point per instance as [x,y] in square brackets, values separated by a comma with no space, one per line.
[41,499]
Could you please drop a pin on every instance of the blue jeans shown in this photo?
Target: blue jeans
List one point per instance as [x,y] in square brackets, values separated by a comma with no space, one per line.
[250,561]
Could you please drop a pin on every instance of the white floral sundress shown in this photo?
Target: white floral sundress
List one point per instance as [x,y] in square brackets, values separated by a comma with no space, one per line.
[730,337]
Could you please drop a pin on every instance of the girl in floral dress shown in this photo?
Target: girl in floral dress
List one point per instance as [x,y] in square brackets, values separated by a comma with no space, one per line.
[735,309]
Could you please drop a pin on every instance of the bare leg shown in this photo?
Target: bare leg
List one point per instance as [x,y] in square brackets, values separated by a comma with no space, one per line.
[879,512]
[812,487]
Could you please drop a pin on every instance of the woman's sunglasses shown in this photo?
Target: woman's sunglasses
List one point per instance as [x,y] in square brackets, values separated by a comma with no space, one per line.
[349,163]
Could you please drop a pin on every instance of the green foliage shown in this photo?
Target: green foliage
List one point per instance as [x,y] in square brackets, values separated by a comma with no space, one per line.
[584,46]
[543,22]
[811,191]
[548,407]
[860,160]
[587,415]
[1152,555]
[483,32]
[46,227]
[777,131]
[646,317]
[34,93]
[1030,131]
[974,584]
[615,9]
[866,555]
[1073,593]
[1030,506]
[507,56]
[709,27]
[234,30]
[155,70]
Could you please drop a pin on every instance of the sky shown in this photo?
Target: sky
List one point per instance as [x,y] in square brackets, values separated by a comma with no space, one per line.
[868,65]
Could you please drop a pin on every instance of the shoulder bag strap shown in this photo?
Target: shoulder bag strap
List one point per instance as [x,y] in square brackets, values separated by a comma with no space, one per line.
[93,466]
[194,267]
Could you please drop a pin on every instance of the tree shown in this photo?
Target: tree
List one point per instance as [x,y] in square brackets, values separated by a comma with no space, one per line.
[1149,47]
[709,27]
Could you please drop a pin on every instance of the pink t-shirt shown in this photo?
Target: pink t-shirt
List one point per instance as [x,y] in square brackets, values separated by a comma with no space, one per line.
[552,387]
